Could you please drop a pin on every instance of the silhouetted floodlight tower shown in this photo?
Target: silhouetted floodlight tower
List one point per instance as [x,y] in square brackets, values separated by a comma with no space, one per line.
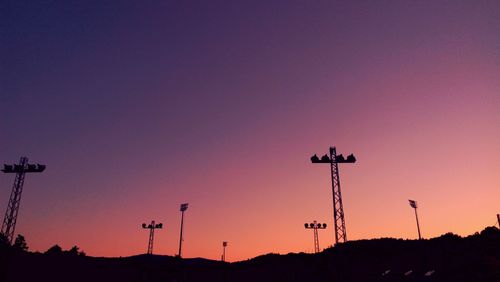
[338,210]
[10,219]
[152,226]
[498,219]
[413,204]
[184,207]
[224,245]
[315,226]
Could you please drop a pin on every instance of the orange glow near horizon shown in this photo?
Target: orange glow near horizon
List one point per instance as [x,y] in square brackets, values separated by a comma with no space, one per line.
[131,125]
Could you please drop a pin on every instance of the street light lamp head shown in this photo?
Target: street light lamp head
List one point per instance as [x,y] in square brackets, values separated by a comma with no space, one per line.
[184,207]
[413,203]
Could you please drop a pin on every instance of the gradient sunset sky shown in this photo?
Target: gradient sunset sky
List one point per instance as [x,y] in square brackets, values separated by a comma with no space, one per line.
[138,106]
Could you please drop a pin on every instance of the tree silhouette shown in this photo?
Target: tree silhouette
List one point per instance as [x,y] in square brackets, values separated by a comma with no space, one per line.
[54,250]
[20,243]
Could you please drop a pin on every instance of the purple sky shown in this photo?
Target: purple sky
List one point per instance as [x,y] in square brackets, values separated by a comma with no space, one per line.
[136,108]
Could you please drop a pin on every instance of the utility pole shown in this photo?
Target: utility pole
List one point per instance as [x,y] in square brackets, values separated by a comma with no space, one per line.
[152,226]
[413,204]
[224,245]
[338,210]
[184,207]
[315,226]
[10,219]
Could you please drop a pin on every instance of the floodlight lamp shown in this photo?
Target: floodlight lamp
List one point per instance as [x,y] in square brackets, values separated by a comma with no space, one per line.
[144,225]
[325,158]
[184,207]
[314,159]
[351,158]
[324,225]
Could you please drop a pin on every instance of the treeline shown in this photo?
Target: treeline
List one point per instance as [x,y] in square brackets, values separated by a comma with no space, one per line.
[20,245]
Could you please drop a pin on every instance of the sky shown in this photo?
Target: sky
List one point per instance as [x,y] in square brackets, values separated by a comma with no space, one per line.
[136,107]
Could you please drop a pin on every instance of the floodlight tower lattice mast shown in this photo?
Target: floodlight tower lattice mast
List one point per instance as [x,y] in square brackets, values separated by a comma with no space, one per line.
[338,210]
[152,226]
[315,226]
[10,219]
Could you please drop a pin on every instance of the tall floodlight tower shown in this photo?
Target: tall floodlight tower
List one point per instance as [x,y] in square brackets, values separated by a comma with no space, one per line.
[315,226]
[413,204]
[224,245]
[152,226]
[184,207]
[10,219]
[338,210]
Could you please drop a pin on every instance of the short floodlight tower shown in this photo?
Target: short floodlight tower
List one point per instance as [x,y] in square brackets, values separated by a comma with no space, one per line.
[315,226]
[152,226]
[10,219]
[183,208]
[224,245]
[338,210]
[413,204]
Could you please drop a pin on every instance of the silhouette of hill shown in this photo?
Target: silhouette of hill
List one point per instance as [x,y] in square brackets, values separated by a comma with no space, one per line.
[445,258]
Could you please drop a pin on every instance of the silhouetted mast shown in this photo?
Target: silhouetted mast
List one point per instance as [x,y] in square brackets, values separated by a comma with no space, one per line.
[152,226]
[498,219]
[184,207]
[224,245]
[413,204]
[315,226]
[10,219]
[338,210]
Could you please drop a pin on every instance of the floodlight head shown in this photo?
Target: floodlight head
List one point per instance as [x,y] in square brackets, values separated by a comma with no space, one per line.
[325,158]
[40,167]
[413,203]
[306,225]
[340,158]
[224,244]
[312,225]
[159,225]
[324,225]
[351,159]
[8,168]
[144,225]
[184,206]
[315,159]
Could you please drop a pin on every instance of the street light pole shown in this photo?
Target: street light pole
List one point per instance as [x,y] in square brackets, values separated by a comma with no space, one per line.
[224,245]
[183,209]
[413,204]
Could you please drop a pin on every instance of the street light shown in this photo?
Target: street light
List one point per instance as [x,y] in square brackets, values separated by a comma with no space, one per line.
[315,226]
[413,204]
[183,208]
[224,245]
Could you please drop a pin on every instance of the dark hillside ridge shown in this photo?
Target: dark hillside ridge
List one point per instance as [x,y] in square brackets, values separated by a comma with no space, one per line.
[448,257]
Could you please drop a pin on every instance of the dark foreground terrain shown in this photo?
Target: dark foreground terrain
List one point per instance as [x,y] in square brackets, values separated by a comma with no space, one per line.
[448,258]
